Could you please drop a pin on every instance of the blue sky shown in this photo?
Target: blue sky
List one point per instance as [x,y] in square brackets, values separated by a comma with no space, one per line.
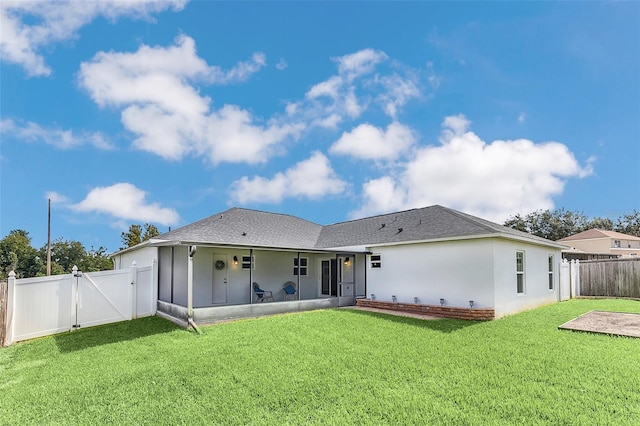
[168,112]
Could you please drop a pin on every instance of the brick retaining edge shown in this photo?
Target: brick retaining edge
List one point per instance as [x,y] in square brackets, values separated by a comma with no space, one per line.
[479,314]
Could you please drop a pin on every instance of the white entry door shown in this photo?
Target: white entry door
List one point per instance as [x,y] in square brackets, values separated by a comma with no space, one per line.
[220,268]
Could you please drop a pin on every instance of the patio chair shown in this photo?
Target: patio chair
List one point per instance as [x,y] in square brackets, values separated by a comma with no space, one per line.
[289,290]
[262,295]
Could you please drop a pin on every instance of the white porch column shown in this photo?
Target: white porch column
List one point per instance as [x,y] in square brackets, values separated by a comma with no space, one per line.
[192,252]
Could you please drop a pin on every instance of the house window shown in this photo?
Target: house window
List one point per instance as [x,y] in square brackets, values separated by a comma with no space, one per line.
[616,243]
[246,262]
[302,268]
[376,261]
[550,272]
[520,272]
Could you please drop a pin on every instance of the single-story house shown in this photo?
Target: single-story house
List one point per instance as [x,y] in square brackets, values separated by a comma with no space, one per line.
[437,258]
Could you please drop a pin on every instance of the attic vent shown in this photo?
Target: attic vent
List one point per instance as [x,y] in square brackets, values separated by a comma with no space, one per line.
[382,226]
[244,234]
[399,231]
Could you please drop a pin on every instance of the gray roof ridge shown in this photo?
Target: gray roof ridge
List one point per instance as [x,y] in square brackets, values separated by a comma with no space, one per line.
[382,215]
[472,219]
[196,222]
[271,213]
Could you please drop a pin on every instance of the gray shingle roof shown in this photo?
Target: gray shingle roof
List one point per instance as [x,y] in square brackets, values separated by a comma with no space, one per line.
[245,227]
[423,224]
[254,228]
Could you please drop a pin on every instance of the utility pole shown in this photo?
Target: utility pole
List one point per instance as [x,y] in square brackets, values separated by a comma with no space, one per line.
[49,239]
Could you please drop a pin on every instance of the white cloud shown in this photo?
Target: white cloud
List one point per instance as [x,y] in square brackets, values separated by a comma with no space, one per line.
[492,180]
[55,197]
[359,83]
[359,63]
[27,26]
[373,143]
[124,201]
[522,117]
[312,178]
[398,91]
[282,64]
[155,87]
[59,138]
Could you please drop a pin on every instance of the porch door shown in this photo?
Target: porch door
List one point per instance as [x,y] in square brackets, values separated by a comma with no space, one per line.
[220,268]
[329,277]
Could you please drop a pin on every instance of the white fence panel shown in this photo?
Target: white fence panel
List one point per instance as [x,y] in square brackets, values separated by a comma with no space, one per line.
[104,297]
[145,304]
[41,306]
[48,305]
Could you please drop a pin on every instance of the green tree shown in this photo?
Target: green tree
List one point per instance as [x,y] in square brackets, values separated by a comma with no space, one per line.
[96,260]
[561,223]
[138,234]
[66,254]
[600,223]
[16,254]
[629,224]
[550,224]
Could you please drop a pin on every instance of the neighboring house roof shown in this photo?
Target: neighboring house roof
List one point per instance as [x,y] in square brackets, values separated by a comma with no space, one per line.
[592,234]
[252,228]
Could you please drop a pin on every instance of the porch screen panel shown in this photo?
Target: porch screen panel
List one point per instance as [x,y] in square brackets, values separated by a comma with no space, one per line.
[164,274]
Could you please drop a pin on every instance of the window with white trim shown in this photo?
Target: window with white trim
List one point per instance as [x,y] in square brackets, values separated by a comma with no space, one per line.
[520,272]
[550,272]
[302,268]
[376,261]
[246,262]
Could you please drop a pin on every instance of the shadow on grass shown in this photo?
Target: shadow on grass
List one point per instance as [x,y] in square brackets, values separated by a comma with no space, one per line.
[442,325]
[113,333]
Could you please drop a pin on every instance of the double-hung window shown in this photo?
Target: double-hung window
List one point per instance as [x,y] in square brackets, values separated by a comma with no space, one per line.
[300,269]
[520,272]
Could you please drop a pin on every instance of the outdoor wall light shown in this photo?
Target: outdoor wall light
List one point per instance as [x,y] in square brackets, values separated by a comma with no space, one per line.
[471,304]
[347,260]
[441,302]
[373,296]
[394,298]
[416,300]
[235,260]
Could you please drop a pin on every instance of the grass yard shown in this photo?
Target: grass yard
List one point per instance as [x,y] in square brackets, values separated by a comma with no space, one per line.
[329,367]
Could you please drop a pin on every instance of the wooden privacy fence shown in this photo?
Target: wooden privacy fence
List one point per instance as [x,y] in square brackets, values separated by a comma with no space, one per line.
[611,278]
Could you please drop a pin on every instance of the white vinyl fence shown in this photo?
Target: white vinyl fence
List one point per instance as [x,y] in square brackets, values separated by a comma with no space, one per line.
[48,305]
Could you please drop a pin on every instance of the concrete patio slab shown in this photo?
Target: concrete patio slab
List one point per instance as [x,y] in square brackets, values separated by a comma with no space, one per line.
[614,323]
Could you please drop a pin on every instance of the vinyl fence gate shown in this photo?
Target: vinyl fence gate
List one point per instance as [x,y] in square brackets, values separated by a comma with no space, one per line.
[48,305]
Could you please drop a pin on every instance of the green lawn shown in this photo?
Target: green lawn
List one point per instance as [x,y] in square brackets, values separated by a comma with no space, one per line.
[329,367]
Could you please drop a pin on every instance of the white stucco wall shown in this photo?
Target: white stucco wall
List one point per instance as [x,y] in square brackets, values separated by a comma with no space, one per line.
[482,270]
[457,271]
[536,268]
[143,256]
